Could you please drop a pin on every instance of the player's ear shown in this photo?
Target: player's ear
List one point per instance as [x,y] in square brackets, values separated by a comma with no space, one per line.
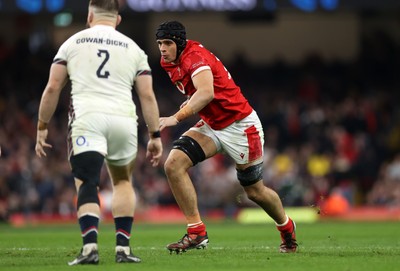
[90,17]
[119,19]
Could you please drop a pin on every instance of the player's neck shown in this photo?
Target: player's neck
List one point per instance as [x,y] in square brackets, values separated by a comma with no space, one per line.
[103,22]
[176,61]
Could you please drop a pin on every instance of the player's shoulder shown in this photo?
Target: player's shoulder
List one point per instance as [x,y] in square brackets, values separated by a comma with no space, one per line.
[127,39]
[77,36]
[122,36]
[195,49]
[81,33]
[193,46]
[195,53]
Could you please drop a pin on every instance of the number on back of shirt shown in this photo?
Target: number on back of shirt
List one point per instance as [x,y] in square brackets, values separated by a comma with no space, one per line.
[105,55]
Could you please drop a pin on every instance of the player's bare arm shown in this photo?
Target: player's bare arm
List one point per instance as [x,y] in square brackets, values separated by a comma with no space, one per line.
[57,79]
[203,82]
[144,89]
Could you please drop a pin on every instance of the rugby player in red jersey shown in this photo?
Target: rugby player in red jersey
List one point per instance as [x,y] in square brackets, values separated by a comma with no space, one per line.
[228,125]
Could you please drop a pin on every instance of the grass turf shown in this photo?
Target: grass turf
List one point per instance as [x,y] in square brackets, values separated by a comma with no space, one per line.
[323,246]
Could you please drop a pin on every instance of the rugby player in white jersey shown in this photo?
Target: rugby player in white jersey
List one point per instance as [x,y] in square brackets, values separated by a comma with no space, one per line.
[103,66]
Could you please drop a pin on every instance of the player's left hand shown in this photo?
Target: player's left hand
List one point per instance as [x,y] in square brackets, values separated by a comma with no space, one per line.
[168,121]
[41,142]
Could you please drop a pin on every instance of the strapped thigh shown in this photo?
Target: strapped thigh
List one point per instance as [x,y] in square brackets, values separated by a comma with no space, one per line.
[192,149]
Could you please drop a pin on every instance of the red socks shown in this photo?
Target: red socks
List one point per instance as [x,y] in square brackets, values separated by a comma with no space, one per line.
[286,227]
[198,228]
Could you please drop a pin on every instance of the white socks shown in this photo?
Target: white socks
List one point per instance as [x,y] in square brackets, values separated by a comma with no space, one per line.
[88,248]
[126,250]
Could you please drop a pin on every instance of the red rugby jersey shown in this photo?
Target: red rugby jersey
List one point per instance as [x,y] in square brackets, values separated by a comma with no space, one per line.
[228,105]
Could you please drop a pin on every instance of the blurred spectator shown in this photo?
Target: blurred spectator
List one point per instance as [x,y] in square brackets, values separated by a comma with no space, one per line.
[386,190]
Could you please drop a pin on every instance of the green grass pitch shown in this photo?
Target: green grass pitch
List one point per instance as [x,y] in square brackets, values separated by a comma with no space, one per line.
[324,246]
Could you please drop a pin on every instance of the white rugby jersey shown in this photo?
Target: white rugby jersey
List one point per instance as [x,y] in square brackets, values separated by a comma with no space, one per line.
[102,65]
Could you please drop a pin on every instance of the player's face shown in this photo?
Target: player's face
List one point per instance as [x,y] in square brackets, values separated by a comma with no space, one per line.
[167,49]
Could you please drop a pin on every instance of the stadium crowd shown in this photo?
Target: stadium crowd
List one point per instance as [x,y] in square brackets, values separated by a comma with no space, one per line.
[330,127]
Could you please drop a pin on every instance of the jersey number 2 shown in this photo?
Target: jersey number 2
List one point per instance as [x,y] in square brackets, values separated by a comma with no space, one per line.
[100,73]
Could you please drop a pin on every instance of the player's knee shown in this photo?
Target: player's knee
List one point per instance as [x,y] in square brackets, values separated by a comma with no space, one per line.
[87,167]
[250,175]
[175,165]
[191,148]
[170,166]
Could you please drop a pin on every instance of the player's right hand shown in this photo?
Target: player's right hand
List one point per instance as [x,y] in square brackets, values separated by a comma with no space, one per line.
[168,121]
[154,151]
[41,143]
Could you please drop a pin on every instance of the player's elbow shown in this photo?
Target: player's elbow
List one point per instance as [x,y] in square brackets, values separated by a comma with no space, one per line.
[54,86]
[52,89]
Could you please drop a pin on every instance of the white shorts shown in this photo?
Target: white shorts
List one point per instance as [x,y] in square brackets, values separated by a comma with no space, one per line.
[243,140]
[113,136]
